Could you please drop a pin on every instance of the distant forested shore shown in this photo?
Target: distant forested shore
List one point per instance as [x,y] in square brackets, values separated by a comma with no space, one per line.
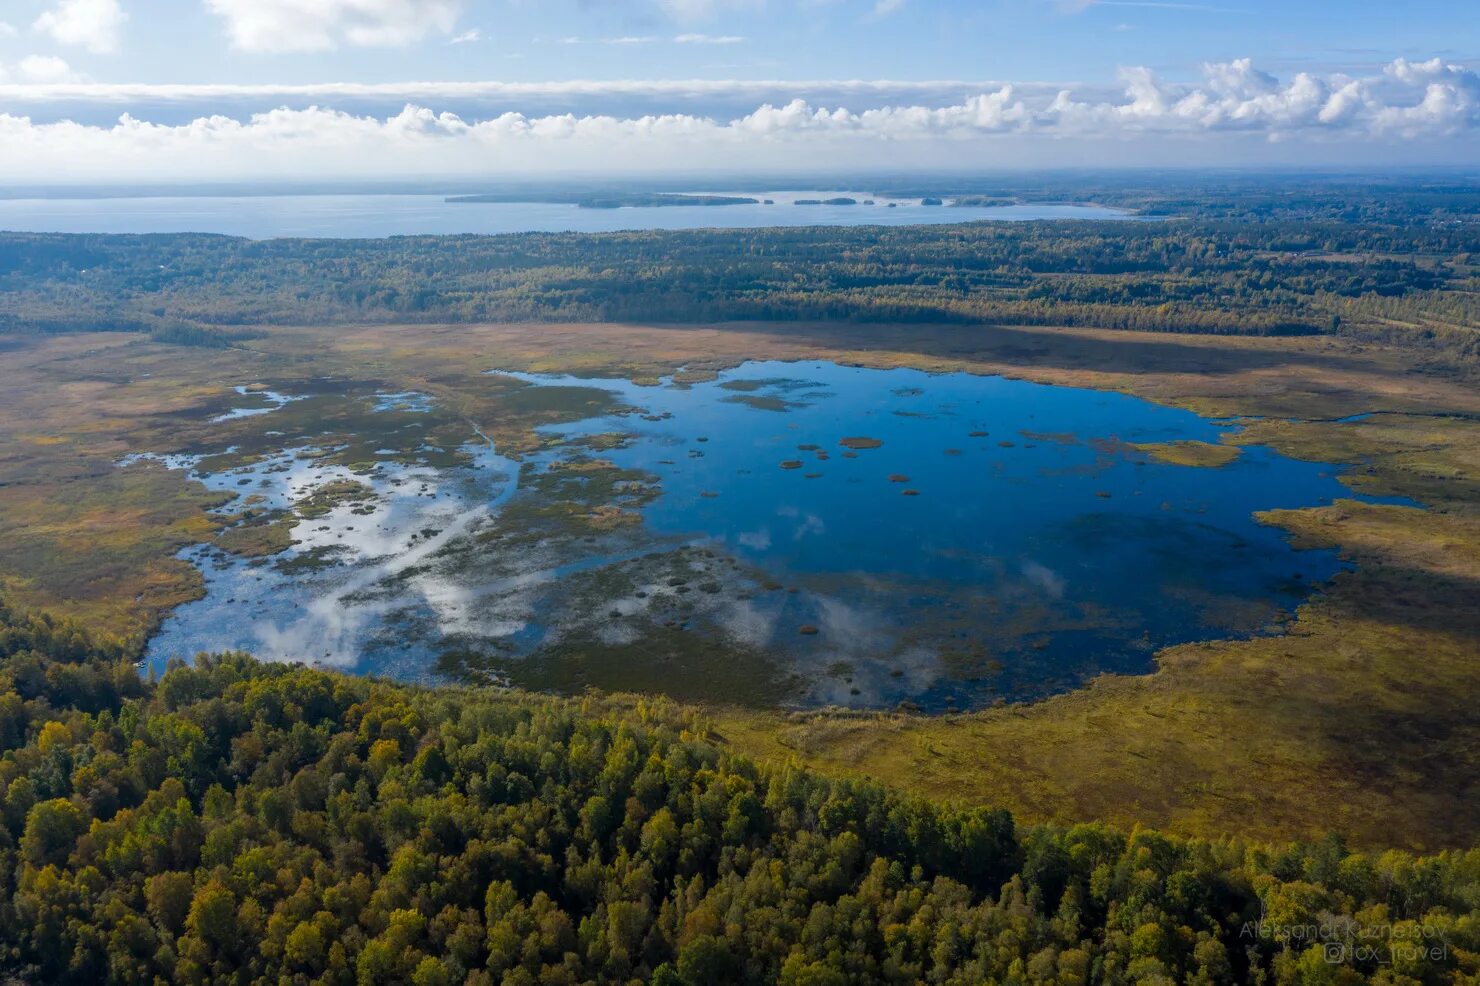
[1415,282]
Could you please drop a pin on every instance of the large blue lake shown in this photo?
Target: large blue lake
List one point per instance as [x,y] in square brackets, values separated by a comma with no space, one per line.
[801,533]
[369,216]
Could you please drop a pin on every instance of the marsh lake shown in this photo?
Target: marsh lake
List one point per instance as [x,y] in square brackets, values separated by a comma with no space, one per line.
[781,533]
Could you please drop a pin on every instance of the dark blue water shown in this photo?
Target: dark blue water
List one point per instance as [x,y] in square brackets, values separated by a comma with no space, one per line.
[989,539]
[1008,522]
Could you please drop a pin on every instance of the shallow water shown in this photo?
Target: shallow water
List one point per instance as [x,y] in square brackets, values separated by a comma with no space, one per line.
[801,533]
[259,402]
[355,216]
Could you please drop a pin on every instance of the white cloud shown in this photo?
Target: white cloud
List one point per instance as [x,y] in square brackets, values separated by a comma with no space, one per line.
[676,90]
[708,39]
[90,24]
[321,25]
[466,37]
[1426,101]
[39,69]
[626,39]
[1429,99]
[45,68]
[7,30]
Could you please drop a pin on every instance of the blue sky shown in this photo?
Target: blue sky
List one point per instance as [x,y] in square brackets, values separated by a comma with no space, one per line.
[188,41]
[1227,81]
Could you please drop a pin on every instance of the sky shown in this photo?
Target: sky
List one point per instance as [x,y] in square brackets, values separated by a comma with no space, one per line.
[200,90]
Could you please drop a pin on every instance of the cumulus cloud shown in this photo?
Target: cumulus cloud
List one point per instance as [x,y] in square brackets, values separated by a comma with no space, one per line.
[90,24]
[296,26]
[1409,101]
[39,69]
[45,68]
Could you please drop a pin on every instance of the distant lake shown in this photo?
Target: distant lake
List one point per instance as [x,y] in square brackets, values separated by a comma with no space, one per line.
[790,533]
[370,216]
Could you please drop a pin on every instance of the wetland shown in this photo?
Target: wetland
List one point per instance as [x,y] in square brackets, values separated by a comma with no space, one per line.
[1361,689]
[777,533]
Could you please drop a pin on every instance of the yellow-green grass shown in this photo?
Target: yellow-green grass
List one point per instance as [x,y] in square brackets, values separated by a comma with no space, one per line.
[1355,720]
[1360,718]
[257,537]
[1190,453]
[102,548]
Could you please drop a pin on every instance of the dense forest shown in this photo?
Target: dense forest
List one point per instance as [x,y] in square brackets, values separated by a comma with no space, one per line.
[253,823]
[1434,198]
[1417,280]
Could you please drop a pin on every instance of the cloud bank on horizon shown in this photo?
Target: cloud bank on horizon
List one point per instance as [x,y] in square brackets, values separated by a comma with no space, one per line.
[1431,107]
[262,112]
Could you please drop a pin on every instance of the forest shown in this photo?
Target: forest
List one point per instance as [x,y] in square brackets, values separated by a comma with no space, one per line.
[1414,279]
[253,823]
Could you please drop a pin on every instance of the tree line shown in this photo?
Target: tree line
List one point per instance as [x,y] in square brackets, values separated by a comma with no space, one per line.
[1201,275]
[243,822]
